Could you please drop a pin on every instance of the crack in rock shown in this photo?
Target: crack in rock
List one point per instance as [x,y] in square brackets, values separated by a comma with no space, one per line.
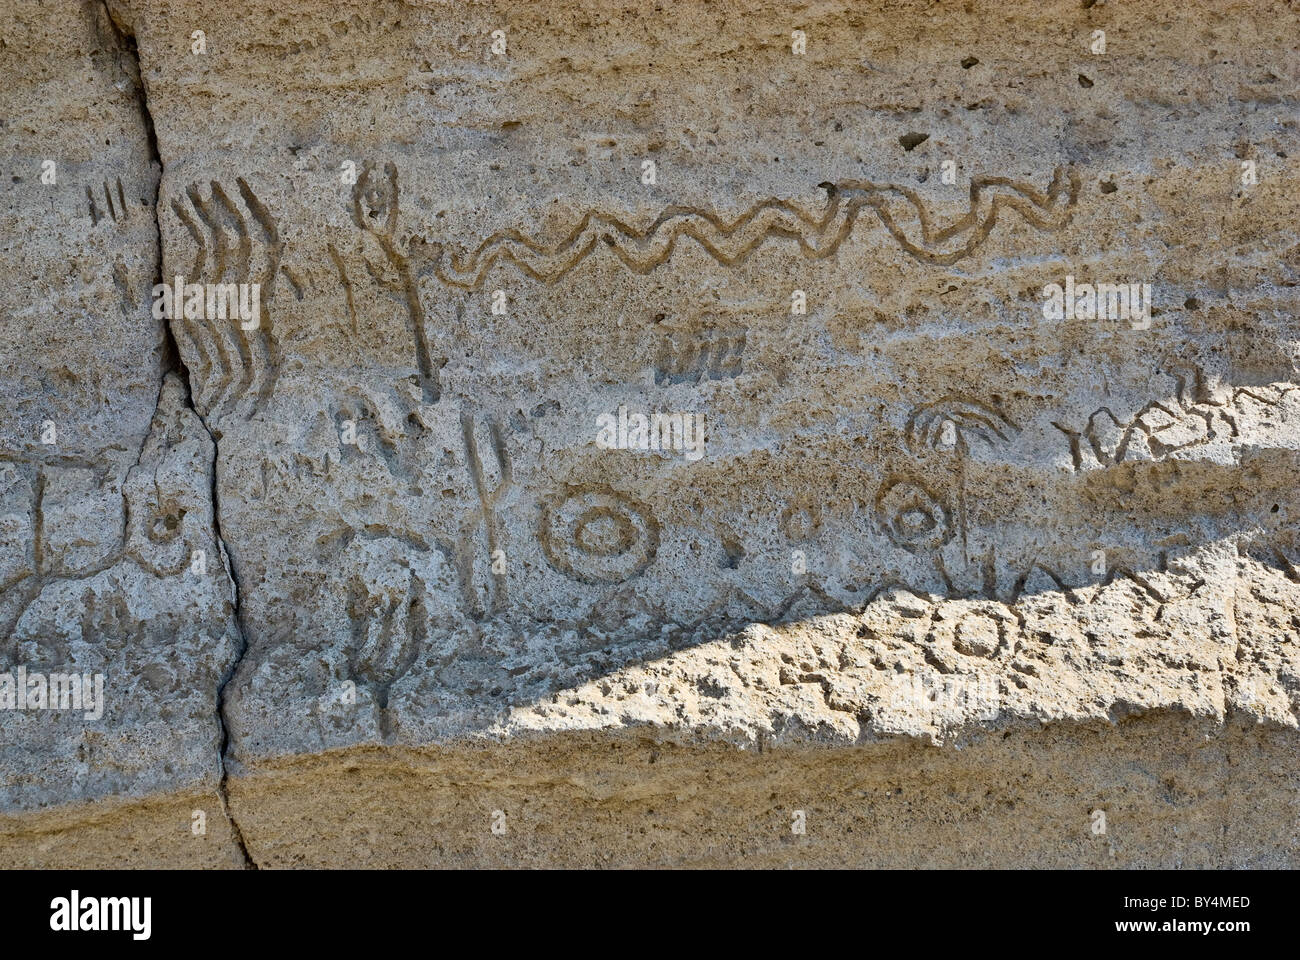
[173,362]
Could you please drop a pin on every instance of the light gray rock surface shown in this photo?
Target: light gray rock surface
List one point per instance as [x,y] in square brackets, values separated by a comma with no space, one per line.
[934,540]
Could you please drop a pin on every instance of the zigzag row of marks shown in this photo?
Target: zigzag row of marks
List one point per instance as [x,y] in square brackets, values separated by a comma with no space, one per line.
[825,603]
[224,253]
[354,25]
[817,237]
[1189,403]
[381,659]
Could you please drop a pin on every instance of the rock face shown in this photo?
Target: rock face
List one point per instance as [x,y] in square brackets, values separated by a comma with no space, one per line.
[715,435]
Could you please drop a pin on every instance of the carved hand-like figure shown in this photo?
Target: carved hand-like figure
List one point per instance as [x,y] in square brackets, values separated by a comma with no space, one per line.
[394,589]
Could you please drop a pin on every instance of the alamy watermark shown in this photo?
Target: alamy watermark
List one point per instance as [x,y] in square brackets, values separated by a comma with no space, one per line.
[209,301]
[669,432]
[53,691]
[75,913]
[972,695]
[1102,301]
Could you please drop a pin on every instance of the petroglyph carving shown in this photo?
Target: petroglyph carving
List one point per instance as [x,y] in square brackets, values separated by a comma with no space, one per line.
[597,535]
[409,550]
[707,354]
[492,481]
[386,605]
[236,369]
[375,210]
[114,200]
[912,517]
[1192,418]
[982,629]
[67,520]
[954,422]
[355,26]
[56,547]
[801,519]
[951,425]
[900,209]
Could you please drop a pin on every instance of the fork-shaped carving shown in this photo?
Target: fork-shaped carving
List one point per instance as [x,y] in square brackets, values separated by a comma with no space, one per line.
[489,499]
[388,629]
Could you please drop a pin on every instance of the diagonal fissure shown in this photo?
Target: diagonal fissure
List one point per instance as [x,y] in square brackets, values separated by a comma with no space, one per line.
[173,362]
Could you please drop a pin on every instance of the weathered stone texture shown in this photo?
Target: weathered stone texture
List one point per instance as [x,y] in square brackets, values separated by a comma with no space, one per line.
[936,540]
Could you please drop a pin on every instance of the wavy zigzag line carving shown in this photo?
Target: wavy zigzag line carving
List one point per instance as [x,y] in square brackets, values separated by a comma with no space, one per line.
[226,251]
[900,209]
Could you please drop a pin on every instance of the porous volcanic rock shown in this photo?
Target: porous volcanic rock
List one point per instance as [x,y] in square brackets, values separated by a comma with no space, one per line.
[965,336]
